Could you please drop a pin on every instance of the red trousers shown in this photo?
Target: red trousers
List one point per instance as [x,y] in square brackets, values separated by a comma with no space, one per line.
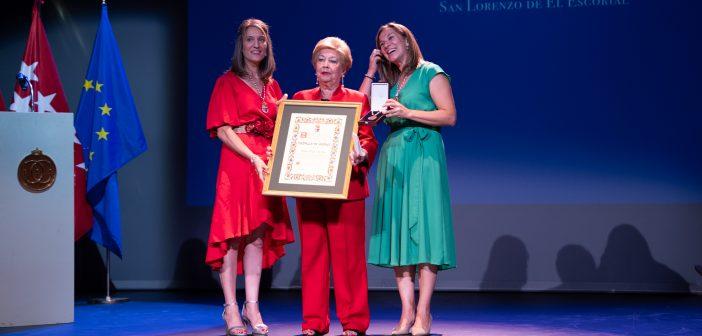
[333,232]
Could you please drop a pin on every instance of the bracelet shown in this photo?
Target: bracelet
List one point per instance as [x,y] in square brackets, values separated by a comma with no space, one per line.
[367,76]
[253,158]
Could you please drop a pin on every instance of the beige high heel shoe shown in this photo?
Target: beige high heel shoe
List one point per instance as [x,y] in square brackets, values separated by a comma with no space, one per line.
[260,329]
[235,330]
[402,330]
[418,330]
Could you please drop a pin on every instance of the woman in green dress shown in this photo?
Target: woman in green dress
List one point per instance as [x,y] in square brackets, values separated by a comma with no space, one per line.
[412,223]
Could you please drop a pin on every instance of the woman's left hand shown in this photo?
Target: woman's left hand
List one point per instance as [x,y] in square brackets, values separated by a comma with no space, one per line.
[269,153]
[393,108]
[357,158]
[260,167]
[284,97]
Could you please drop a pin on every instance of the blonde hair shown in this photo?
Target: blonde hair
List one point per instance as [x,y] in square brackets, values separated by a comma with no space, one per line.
[267,65]
[338,45]
[388,71]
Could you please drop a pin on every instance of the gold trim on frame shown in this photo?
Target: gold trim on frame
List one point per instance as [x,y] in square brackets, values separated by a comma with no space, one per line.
[282,122]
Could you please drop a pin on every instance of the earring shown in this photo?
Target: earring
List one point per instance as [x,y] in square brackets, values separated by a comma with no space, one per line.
[342,80]
[316,80]
[406,45]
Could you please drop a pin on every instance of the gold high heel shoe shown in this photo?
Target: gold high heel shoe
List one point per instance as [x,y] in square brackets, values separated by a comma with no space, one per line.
[260,329]
[419,330]
[235,330]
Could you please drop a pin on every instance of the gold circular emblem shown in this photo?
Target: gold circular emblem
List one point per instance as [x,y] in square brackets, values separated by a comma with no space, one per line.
[37,172]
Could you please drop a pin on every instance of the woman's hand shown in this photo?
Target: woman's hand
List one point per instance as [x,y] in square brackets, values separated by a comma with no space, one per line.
[284,97]
[356,157]
[269,153]
[260,166]
[373,62]
[393,108]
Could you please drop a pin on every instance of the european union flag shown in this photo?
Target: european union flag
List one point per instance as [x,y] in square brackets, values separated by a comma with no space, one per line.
[107,125]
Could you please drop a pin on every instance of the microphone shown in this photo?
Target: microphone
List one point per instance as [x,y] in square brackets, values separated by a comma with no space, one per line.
[23,81]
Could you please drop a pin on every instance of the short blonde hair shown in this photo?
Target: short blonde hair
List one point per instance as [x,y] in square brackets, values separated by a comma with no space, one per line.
[336,44]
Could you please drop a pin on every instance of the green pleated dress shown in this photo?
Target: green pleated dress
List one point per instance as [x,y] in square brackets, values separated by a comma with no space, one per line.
[412,222]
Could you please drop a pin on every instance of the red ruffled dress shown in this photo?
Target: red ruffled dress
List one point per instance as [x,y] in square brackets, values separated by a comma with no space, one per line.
[239,206]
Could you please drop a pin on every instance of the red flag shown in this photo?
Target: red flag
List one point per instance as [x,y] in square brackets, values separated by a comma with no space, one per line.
[39,67]
[2,103]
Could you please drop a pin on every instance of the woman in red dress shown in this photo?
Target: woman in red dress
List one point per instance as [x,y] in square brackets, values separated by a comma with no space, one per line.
[248,230]
[334,231]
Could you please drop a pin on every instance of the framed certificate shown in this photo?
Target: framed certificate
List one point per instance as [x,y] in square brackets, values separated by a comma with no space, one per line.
[311,145]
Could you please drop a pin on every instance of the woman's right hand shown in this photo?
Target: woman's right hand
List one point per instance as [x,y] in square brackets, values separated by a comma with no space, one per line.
[373,61]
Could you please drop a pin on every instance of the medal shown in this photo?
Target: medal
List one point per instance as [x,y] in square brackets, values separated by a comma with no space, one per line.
[262,93]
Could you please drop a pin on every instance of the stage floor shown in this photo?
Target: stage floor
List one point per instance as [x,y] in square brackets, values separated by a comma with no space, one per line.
[455,313]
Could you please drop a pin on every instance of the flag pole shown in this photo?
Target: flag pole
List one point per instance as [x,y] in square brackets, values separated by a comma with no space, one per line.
[108,299]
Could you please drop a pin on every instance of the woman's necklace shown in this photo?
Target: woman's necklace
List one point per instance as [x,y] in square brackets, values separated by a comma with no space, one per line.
[261,91]
[401,85]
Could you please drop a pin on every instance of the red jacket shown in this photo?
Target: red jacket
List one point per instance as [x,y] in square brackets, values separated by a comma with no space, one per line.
[358,186]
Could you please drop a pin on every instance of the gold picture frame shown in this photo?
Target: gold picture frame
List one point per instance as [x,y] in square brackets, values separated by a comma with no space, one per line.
[311,145]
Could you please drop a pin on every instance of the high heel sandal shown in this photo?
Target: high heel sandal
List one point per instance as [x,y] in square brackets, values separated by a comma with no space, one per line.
[235,330]
[419,330]
[402,330]
[260,329]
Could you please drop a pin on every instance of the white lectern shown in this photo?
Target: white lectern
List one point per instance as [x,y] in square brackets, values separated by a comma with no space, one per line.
[36,227]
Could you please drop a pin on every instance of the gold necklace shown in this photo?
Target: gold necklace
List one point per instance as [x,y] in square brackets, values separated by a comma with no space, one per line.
[260,91]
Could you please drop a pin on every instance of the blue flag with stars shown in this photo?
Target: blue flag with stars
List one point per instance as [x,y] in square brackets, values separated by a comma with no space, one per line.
[108,127]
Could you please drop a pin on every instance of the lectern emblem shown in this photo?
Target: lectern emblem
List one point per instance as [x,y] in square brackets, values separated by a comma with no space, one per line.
[37,172]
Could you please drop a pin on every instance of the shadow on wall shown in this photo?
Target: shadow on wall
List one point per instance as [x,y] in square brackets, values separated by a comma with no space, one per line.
[295,281]
[507,267]
[626,265]
[577,268]
[191,272]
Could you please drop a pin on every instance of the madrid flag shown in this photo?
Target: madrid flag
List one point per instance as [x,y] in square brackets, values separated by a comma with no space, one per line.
[2,103]
[39,67]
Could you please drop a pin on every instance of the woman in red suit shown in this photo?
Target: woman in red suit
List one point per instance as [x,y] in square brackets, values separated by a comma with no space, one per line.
[334,231]
[248,230]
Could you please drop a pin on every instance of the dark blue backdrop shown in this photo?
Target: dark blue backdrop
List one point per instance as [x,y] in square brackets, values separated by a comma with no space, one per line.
[595,104]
